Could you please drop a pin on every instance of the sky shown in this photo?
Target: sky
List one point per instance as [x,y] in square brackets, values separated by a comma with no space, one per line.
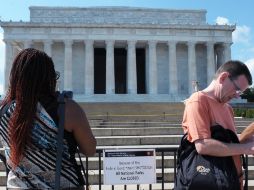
[218,11]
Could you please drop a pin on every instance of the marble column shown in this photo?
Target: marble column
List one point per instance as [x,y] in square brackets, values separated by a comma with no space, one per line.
[173,81]
[68,65]
[210,62]
[227,52]
[152,68]
[16,49]
[192,65]
[110,67]
[220,55]
[28,44]
[131,68]
[89,67]
[48,47]
[8,63]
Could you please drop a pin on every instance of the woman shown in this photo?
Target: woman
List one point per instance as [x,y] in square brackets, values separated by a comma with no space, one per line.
[28,128]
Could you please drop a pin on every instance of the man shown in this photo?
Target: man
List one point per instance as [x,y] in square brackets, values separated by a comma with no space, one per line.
[210,107]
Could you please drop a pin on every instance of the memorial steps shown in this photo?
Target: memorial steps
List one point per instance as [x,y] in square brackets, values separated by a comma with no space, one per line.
[137,113]
[117,133]
[133,132]
[161,132]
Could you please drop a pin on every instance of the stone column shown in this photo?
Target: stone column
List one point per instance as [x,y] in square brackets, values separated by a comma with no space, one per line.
[227,52]
[152,68]
[68,65]
[192,65]
[16,49]
[220,55]
[173,81]
[28,44]
[8,63]
[110,67]
[131,68]
[210,62]
[89,67]
[48,47]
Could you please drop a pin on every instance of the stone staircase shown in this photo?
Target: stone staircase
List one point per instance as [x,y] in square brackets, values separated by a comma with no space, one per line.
[155,133]
[158,130]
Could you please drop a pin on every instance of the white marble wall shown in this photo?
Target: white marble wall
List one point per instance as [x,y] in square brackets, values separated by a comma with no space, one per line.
[116,15]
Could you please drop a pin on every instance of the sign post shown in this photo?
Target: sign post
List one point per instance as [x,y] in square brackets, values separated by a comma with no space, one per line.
[129,166]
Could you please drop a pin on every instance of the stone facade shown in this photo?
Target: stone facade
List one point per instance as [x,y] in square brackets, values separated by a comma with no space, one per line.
[119,15]
[120,54]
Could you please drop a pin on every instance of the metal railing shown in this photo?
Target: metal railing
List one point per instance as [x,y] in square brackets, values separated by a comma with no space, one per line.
[161,151]
[161,179]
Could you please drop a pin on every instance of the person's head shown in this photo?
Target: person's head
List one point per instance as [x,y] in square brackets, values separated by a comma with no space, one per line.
[32,73]
[32,77]
[232,78]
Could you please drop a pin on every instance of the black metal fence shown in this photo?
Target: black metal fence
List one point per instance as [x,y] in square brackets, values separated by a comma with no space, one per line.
[161,179]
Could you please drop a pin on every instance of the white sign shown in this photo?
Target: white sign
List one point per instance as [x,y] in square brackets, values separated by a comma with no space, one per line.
[129,166]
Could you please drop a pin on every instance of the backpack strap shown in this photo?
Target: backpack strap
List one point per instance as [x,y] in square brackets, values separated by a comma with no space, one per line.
[61,115]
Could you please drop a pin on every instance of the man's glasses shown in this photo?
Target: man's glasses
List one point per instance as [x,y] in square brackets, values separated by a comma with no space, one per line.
[237,88]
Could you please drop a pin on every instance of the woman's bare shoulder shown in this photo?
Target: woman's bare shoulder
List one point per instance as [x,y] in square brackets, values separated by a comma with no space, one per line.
[74,115]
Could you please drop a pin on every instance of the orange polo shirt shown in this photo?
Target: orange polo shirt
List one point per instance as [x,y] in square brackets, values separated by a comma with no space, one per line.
[201,112]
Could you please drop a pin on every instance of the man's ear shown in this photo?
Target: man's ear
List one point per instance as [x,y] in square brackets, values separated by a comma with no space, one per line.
[223,76]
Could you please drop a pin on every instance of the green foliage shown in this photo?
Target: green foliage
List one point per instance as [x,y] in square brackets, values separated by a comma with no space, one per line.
[250,113]
[244,112]
[248,94]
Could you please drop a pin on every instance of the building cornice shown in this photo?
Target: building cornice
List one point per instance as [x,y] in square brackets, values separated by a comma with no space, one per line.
[116,8]
[133,26]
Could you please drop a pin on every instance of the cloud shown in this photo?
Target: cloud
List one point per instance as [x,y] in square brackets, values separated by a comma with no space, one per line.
[221,21]
[251,50]
[242,34]
[250,65]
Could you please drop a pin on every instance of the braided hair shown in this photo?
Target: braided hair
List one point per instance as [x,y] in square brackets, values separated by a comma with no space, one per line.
[32,77]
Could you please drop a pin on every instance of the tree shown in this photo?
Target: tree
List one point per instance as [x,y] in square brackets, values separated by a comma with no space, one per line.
[248,94]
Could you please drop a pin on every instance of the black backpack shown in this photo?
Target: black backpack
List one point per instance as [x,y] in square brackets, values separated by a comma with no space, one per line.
[196,172]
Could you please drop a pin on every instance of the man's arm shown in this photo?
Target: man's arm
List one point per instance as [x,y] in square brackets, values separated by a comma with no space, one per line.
[214,147]
[247,133]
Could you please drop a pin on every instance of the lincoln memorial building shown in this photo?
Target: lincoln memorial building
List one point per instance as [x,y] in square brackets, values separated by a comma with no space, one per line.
[123,54]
